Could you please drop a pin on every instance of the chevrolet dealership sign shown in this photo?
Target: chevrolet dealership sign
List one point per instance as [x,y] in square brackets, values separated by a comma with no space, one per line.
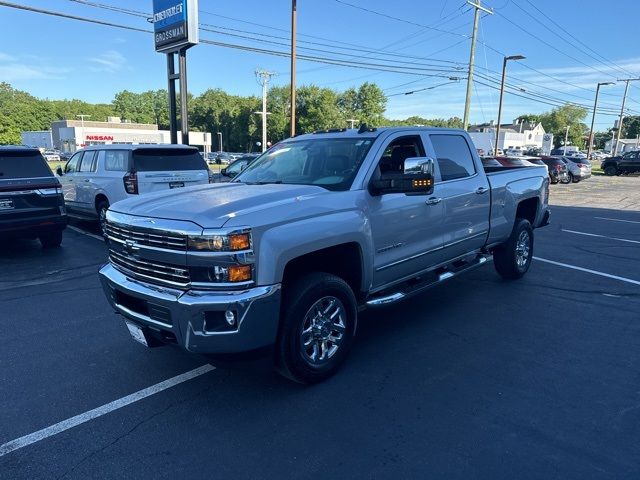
[175,24]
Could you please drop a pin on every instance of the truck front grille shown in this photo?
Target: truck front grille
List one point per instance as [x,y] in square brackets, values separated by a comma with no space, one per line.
[151,238]
[155,272]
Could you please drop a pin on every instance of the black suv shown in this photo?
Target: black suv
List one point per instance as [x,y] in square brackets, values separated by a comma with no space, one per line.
[31,200]
[627,163]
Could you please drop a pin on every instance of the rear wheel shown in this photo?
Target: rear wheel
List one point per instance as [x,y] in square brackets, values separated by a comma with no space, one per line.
[610,171]
[317,327]
[51,239]
[102,208]
[513,258]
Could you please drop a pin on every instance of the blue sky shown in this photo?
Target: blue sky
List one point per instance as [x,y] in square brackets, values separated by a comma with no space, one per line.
[60,58]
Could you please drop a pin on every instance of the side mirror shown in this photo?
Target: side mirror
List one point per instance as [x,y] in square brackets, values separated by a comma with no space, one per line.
[417,179]
[223,172]
[59,171]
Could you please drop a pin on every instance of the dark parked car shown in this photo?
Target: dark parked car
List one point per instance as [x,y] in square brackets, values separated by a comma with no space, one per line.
[234,168]
[31,201]
[558,171]
[627,163]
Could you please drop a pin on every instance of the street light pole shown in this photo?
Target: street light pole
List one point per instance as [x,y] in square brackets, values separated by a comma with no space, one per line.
[566,139]
[219,141]
[352,122]
[593,118]
[294,27]
[504,74]
[82,117]
[624,100]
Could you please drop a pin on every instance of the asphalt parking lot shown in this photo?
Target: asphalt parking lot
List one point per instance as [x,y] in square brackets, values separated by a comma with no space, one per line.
[477,378]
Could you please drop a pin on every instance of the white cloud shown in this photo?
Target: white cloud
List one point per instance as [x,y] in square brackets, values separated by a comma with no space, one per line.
[21,68]
[109,62]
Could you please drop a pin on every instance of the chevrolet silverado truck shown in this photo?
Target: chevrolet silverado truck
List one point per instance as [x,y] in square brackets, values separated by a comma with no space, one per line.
[317,229]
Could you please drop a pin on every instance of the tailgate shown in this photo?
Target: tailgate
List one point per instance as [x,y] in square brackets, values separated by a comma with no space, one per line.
[25,199]
[155,181]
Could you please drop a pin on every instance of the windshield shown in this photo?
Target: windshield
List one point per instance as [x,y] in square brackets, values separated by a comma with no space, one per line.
[23,164]
[331,163]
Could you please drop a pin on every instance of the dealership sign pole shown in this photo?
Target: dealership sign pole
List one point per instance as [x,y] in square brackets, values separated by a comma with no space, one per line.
[175,27]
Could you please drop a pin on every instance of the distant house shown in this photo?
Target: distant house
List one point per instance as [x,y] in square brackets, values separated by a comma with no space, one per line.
[512,135]
[626,145]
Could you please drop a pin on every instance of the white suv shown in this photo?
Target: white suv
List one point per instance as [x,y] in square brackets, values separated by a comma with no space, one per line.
[100,175]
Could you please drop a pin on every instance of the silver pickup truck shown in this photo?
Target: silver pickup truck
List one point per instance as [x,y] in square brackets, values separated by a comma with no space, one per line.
[318,228]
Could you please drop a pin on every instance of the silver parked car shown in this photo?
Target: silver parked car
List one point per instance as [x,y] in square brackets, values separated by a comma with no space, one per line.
[579,168]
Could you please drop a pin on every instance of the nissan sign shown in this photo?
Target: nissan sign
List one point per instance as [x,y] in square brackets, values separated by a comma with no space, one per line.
[175,24]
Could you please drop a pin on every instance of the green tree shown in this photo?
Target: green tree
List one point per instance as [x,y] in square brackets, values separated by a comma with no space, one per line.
[631,127]
[557,120]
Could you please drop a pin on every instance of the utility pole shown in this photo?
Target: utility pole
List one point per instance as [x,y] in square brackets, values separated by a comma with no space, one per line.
[294,27]
[263,77]
[352,122]
[566,139]
[504,75]
[472,58]
[624,100]
[593,118]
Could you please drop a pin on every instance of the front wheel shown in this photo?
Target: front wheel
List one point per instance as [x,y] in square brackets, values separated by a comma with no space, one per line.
[102,208]
[513,258]
[318,322]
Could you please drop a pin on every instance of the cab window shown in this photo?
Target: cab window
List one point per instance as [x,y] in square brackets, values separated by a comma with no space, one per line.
[453,156]
[392,161]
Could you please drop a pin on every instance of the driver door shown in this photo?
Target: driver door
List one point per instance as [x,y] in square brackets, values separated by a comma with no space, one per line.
[406,228]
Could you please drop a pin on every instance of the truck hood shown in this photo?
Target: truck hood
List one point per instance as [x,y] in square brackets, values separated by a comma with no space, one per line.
[211,206]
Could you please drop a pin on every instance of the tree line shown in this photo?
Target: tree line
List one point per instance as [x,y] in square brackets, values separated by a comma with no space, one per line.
[234,116]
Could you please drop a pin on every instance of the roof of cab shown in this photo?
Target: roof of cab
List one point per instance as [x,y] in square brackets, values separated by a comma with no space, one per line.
[128,146]
[22,148]
[370,132]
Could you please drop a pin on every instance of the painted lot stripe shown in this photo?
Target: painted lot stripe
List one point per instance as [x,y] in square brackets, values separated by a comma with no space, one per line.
[79,230]
[100,411]
[594,272]
[600,236]
[616,220]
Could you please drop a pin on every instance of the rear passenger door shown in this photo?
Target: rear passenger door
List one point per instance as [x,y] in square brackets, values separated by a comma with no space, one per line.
[84,183]
[464,192]
[629,162]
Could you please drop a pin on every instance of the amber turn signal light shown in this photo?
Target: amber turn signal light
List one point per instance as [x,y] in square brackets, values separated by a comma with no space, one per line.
[239,241]
[240,273]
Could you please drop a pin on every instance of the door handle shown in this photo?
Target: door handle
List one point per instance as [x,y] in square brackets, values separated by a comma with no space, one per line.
[87,180]
[482,190]
[433,201]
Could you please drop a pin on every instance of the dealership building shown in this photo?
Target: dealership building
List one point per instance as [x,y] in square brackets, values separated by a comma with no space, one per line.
[70,135]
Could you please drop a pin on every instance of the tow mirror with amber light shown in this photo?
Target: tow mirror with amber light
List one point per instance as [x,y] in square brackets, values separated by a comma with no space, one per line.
[417,178]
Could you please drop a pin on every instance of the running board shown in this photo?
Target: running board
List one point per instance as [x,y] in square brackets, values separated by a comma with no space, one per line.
[435,278]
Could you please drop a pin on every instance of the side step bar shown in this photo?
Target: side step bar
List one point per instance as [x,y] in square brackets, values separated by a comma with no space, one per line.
[436,278]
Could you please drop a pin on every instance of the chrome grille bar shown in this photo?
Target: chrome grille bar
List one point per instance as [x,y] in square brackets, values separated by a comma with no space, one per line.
[146,237]
[173,275]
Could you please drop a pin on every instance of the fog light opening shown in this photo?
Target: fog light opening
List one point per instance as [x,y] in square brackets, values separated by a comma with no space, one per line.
[230,317]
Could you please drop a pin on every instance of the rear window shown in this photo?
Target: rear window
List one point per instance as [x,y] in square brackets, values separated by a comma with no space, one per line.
[162,160]
[23,165]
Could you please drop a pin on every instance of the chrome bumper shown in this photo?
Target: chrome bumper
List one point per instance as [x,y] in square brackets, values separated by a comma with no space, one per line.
[181,314]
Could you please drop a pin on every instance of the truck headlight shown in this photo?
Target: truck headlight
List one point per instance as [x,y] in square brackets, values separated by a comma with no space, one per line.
[233,242]
[222,274]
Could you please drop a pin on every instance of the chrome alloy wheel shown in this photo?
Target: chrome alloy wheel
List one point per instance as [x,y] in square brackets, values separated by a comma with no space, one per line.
[323,330]
[523,249]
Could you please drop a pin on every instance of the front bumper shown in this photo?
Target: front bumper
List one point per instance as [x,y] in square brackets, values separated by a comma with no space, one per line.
[178,316]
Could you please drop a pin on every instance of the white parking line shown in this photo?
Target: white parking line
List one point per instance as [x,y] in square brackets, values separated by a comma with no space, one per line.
[587,270]
[79,230]
[103,410]
[616,220]
[600,236]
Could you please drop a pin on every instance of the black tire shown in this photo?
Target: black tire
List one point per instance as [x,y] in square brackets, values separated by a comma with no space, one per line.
[507,258]
[51,239]
[102,208]
[553,181]
[611,171]
[299,297]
